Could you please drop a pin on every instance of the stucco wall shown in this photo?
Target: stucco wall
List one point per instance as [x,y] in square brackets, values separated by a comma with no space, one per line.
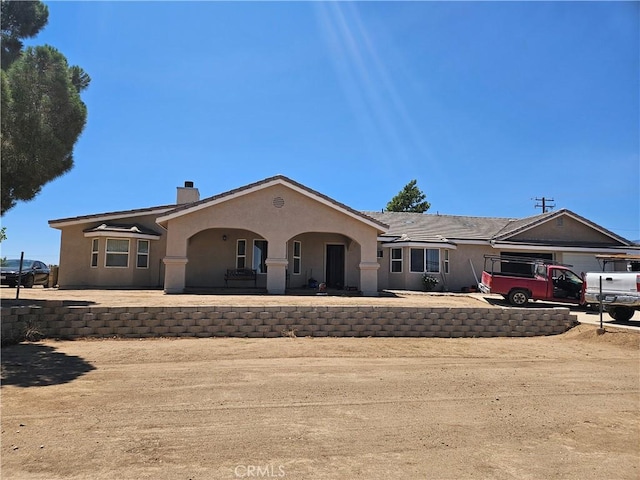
[563,228]
[460,271]
[279,215]
[210,256]
[75,259]
[256,212]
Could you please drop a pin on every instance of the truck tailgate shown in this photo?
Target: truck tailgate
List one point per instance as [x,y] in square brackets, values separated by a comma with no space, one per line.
[485,285]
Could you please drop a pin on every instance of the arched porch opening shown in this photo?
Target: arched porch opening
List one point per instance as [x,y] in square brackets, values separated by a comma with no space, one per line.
[213,251]
[329,258]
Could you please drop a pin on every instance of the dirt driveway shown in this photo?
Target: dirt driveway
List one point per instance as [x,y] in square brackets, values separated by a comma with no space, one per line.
[563,407]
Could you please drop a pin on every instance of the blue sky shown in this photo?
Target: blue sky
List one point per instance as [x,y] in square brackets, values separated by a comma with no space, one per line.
[488,105]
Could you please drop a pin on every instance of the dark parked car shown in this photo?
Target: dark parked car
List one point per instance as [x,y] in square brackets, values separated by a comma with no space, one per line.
[33,273]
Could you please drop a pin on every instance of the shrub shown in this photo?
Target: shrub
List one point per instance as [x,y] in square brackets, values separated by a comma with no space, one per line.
[429,282]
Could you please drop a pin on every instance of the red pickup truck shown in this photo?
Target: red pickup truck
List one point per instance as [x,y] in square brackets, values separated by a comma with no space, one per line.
[533,279]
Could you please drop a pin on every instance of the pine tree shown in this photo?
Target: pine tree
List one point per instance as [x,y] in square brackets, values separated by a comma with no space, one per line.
[409,199]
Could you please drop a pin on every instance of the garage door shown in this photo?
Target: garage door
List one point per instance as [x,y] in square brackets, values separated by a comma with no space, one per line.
[522,267]
[582,262]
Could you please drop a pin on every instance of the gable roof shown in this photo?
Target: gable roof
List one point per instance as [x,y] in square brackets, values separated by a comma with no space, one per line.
[522,225]
[262,184]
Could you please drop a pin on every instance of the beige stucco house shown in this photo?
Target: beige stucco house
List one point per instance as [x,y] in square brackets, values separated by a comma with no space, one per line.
[291,237]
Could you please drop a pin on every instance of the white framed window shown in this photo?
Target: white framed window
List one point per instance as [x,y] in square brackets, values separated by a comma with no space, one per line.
[396,260]
[425,260]
[297,257]
[241,253]
[142,260]
[117,253]
[95,246]
[260,256]
[445,262]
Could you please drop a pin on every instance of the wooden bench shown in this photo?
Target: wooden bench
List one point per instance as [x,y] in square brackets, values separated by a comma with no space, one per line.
[240,274]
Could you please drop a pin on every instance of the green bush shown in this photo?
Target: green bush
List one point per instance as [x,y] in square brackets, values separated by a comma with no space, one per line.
[429,282]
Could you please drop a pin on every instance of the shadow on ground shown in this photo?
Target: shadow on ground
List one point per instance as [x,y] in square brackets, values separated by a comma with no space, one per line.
[502,302]
[634,322]
[36,365]
[11,302]
[297,292]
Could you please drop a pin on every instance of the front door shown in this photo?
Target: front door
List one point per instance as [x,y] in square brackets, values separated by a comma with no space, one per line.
[334,273]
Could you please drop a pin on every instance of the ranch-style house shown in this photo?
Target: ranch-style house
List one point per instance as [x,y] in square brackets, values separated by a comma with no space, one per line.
[277,235]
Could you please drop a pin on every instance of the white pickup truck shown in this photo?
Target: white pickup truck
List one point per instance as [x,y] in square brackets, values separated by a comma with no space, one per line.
[618,291]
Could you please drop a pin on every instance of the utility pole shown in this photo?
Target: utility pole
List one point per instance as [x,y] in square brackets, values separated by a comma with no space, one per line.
[544,204]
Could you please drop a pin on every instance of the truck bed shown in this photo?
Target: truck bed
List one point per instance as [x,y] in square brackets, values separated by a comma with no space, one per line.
[508,274]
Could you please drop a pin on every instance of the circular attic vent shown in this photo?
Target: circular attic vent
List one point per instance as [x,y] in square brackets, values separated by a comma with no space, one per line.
[278,202]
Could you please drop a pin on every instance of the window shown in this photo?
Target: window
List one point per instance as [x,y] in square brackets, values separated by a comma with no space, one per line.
[94,252]
[117,253]
[446,261]
[425,260]
[260,256]
[297,257]
[396,260]
[241,254]
[143,254]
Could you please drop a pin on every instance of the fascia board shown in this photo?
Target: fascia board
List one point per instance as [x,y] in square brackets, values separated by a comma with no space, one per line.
[556,248]
[458,241]
[450,246]
[103,218]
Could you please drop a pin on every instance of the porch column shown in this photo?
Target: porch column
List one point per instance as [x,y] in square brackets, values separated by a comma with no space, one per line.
[174,274]
[369,278]
[276,275]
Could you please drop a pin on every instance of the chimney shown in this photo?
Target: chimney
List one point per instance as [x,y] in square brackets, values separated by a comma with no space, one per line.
[187,194]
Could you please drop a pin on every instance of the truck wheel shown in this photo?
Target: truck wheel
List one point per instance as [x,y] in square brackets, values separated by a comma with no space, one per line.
[518,297]
[622,314]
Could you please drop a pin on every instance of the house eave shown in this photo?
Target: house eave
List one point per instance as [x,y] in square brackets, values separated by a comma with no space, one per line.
[414,244]
[563,248]
[106,217]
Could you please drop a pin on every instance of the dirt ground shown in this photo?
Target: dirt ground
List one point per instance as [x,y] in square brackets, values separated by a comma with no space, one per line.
[157,298]
[562,407]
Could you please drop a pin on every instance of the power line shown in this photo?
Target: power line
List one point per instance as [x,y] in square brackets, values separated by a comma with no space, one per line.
[544,204]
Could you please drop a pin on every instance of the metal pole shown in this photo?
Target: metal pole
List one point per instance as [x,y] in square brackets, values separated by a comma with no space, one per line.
[474,272]
[19,276]
[600,297]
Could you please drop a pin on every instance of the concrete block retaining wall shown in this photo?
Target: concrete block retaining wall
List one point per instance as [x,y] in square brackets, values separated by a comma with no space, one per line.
[54,320]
